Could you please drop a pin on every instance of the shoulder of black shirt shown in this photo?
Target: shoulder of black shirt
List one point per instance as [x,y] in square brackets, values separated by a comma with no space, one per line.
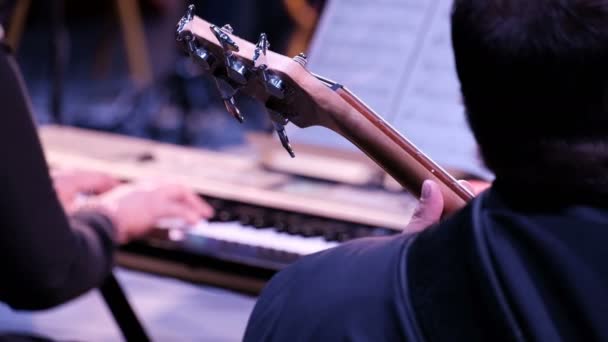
[3,45]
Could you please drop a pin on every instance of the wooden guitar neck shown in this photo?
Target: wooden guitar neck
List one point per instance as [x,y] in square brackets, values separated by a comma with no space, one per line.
[293,94]
[394,153]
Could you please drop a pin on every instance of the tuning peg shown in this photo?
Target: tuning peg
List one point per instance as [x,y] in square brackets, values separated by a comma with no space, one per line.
[181,25]
[259,54]
[273,83]
[284,139]
[222,34]
[279,121]
[274,86]
[235,69]
[227,93]
[200,54]
[231,107]
[301,59]
[228,28]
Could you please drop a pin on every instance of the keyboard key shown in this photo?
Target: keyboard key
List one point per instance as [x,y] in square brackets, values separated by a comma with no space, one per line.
[265,238]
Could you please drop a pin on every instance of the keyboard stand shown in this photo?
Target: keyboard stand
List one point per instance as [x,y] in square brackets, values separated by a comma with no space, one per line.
[125,317]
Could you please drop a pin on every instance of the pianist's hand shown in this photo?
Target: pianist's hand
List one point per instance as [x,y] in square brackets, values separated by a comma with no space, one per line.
[135,208]
[71,183]
[430,207]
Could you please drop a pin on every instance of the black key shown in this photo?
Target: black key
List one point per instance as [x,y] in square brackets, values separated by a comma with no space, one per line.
[224,216]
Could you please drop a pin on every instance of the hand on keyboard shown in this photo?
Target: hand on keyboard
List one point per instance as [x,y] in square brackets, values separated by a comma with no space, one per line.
[70,184]
[136,208]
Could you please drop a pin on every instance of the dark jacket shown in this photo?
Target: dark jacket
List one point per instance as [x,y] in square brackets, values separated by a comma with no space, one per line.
[6,8]
[46,258]
[492,272]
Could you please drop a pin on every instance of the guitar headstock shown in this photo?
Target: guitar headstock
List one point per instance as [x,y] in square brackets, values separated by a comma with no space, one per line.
[289,92]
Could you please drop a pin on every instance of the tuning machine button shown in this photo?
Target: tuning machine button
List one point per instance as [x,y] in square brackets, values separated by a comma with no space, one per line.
[272,83]
[274,87]
[279,121]
[193,47]
[199,54]
[301,59]
[222,34]
[261,49]
[181,31]
[233,109]
[227,93]
[235,69]
[284,139]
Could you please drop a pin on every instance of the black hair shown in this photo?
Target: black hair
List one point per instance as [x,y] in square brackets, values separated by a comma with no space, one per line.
[534,78]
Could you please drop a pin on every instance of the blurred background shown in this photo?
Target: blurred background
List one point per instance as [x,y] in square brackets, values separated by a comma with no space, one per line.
[115,66]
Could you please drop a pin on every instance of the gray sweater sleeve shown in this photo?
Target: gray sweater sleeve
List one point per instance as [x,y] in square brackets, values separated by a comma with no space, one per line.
[47,257]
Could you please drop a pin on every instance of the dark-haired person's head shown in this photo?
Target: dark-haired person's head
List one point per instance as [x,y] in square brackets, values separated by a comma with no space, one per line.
[534,78]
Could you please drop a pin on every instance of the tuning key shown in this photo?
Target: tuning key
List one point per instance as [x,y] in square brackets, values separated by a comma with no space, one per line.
[301,59]
[279,121]
[228,28]
[284,139]
[200,54]
[193,47]
[227,93]
[272,83]
[222,34]
[181,25]
[274,87]
[231,107]
[235,69]
[259,54]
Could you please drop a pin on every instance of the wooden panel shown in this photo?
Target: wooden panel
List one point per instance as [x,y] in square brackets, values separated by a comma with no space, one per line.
[231,177]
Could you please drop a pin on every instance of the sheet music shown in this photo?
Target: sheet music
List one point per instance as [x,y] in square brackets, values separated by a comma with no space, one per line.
[412,82]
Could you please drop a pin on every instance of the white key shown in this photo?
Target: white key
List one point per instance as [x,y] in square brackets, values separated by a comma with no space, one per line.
[267,238]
